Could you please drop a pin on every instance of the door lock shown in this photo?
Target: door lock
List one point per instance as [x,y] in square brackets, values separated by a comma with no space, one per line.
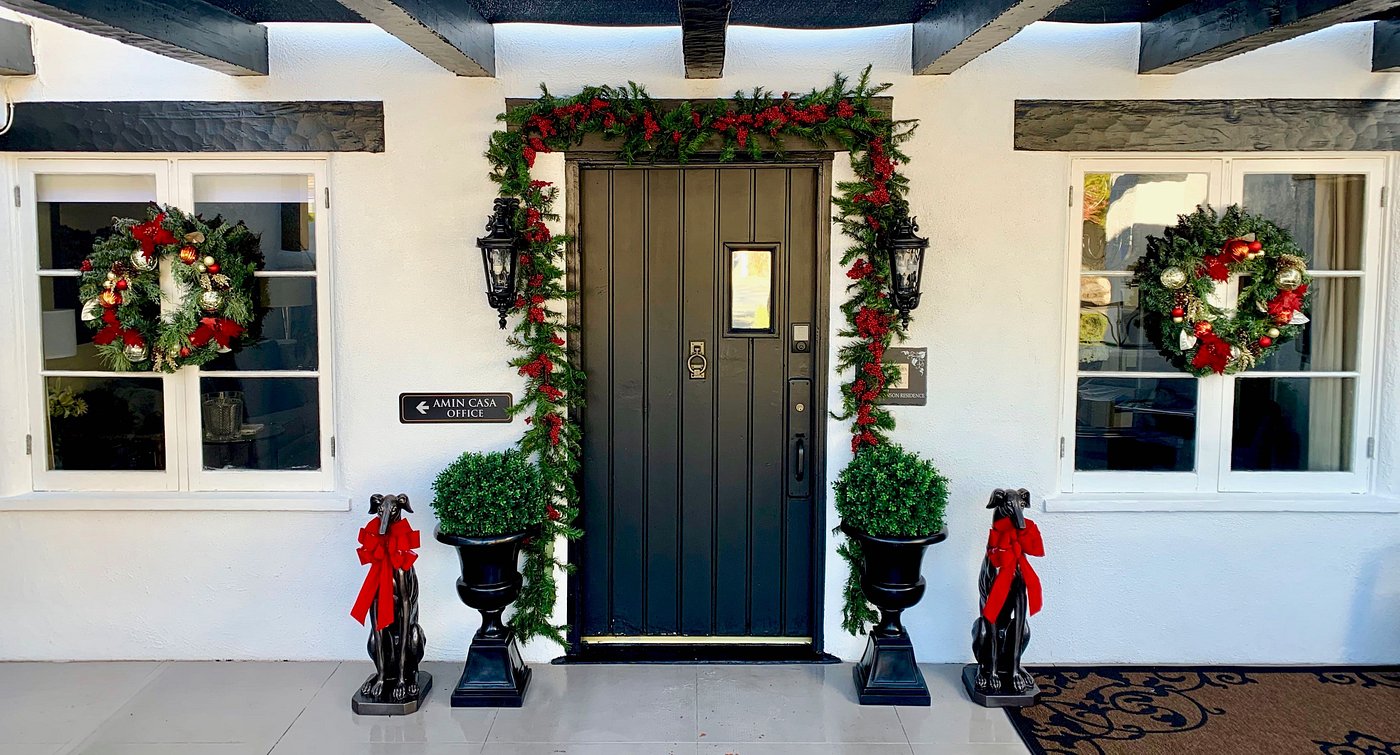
[696,364]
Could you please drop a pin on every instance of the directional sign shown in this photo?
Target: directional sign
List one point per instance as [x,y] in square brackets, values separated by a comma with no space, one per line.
[415,408]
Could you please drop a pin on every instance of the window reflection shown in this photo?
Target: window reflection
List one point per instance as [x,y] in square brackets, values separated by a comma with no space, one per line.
[751,289]
[1136,424]
[1293,424]
[1122,209]
[105,423]
[1325,213]
[260,423]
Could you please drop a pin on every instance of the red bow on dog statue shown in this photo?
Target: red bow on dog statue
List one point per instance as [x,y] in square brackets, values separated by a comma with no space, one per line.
[1007,548]
[384,553]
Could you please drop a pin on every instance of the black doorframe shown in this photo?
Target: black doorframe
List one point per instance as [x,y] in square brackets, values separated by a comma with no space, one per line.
[701,652]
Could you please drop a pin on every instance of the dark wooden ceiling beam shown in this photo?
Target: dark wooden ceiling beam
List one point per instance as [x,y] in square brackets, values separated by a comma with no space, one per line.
[1209,30]
[703,27]
[450,33]
[16,49]
[192,31]
[1385,46]
[955,32]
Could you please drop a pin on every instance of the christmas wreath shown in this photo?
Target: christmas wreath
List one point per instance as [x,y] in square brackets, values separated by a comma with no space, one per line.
[1180,275]
[122,298]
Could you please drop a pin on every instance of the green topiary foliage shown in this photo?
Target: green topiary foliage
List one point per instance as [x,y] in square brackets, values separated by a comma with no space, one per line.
[494,493]
[890,492]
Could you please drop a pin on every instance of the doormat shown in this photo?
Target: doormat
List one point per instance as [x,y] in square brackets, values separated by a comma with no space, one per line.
[1107,710]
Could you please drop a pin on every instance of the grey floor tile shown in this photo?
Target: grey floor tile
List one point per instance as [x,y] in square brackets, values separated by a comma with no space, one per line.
[932,748]
[379,748]
[807,748]
[953,718]
[209,702]
[170,748]
[610,748]
[328,719]
[31,748]
[789,704]
[583,704]
[58,703]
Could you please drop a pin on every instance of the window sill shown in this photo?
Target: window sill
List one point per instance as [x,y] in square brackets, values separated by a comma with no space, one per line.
[175,501]
[1223,502]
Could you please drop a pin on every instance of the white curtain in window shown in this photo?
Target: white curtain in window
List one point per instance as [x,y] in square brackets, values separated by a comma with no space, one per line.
[1338,224]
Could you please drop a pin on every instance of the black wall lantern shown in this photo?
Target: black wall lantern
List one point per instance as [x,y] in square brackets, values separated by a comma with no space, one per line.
[906,249]
[500,254]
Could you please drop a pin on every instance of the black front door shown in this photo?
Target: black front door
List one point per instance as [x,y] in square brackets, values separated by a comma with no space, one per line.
[699,314]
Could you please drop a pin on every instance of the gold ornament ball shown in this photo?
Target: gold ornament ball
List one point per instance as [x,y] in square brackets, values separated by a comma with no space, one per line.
[1173,278]
[109,285]
[1289,278]
[188,255]
[1273,332]
[136,352]
[142,262]
[200,267]
[111,276]
[1178,319]
[208,261]
[210,301]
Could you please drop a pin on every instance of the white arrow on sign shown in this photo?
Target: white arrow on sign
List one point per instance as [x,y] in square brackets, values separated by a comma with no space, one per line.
[422,407]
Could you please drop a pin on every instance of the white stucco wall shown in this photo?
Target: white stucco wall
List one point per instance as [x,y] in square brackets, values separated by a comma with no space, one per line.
[1174,587]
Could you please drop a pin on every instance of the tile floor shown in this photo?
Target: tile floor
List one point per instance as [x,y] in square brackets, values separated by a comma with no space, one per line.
[295,708]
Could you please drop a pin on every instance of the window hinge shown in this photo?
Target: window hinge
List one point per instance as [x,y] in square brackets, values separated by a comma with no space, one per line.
[1371,448]
[28,445]
[328,197]
[1062,447]
[332,446]
[16,196]
[1385,195]
[1071,195]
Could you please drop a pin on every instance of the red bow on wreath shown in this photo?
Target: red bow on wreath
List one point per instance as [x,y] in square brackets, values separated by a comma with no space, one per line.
[219,330]
[114,332]
[1213,353]
[384,554]
[151,234]
[1007,548]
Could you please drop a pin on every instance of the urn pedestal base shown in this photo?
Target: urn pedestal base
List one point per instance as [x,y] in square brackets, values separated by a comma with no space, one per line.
[888,674]
[495,676]
[367,706]
[1006,698]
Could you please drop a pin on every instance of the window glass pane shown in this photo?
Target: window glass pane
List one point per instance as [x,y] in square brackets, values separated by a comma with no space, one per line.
[260,423]
[280,209]
[1111,336]
[1328,342]
[67,340]
[1136,424]
[1293,424]
[284,331]
[1122,209]
[1325,213]
[751,289]
[106,423]
[68,229]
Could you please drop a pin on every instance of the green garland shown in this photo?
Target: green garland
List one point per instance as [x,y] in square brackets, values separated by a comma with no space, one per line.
[1180,270]
[121,293]
[747,126]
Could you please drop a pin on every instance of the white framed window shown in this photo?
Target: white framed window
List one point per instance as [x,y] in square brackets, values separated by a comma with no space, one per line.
[259,419]
[1301,421]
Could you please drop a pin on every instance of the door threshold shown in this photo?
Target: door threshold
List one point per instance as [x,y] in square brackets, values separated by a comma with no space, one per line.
[710,653]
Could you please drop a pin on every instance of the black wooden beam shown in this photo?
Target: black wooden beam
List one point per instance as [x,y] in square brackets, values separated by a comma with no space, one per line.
[1385,46]
[1209,30]
[954,32]
[190,30]
[169,126]
[1207,125]
[450,33]
[703,27]
[16,49]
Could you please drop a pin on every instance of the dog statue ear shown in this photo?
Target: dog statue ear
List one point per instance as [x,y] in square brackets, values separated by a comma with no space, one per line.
[1025,496]
[998,496]
[376,502]
[403,503]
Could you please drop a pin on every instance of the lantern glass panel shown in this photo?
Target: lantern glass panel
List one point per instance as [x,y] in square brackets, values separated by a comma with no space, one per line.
[906,270]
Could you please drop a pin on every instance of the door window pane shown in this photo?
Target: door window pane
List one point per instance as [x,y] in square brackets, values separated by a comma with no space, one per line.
[284,330]
[1122,209]
[106,424]
[1111,335]
[1325,213]
[1293,424]
[280,209]
[751,289]
[1136,424]
[1328,342]
[260,423]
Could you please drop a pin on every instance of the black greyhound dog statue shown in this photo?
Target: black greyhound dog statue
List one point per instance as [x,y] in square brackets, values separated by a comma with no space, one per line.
[396,646]
[1010,593]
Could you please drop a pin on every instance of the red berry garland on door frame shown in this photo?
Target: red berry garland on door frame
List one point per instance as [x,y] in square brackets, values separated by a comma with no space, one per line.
[746,127]
[1178,277]
[212,266]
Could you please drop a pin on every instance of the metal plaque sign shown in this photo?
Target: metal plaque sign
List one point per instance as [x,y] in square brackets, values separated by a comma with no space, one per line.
[911,387]
[416,408]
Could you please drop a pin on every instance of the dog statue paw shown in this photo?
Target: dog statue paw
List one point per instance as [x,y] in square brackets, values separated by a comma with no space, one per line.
[1022,681]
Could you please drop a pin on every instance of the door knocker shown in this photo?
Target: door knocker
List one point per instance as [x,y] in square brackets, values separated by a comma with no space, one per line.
[696,363]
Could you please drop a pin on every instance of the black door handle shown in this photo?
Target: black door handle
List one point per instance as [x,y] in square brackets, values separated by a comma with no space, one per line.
[800,467]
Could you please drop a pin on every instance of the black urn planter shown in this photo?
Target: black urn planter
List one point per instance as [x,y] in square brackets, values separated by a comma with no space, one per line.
[495,676]
[890,576]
